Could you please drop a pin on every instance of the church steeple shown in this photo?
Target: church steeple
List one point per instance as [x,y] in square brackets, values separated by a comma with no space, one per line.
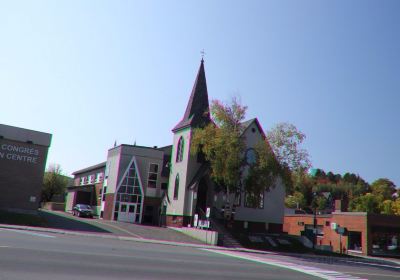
[197,110]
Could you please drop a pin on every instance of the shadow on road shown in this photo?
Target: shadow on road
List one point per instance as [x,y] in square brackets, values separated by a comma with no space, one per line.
[61,222]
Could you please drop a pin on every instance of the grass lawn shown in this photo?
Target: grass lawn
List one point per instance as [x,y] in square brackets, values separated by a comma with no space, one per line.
[22,219]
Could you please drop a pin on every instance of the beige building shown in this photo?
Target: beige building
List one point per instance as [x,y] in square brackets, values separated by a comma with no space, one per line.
[23,156]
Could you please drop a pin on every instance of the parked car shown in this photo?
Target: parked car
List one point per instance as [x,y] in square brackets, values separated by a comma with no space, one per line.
[82,210]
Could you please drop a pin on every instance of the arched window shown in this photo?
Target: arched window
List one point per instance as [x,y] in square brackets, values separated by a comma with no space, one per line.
[176,189]
[179,152]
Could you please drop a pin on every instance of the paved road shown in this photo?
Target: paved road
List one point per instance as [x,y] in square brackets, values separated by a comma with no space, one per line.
[31,255]
[25,255]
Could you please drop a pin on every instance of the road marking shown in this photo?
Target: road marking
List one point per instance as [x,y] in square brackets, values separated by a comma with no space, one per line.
[29,233]
[375,264]
[374,274]
[314,271]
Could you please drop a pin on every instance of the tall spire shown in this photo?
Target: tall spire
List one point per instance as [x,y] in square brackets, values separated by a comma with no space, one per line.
[197,110]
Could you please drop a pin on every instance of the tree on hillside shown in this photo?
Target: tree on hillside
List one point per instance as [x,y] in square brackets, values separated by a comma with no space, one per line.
[383,187]
[223,147]
[388,207]
[396,207]
[296,200]
[53,182]
[365,203]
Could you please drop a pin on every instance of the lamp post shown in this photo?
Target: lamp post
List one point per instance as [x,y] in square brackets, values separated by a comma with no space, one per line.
[315,220]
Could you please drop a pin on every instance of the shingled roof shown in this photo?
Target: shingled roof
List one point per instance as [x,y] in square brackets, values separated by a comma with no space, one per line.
[197,111]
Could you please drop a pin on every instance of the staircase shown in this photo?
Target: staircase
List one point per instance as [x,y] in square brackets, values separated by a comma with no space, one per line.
[225,238]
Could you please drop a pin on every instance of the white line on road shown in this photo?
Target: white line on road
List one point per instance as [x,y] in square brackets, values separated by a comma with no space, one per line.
[375,264]
[314,271]
[29,233]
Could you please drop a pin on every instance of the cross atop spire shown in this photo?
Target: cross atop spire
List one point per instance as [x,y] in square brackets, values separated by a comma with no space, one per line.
[202,55]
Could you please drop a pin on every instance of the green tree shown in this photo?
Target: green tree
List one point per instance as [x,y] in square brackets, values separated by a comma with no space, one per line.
[262,173]
[383,187]
[221,143]
[54,182]
[303,183]
[396,207]
[286,140]
[387,207]
[322,202]
[223,146]
[296,200]
[365,203]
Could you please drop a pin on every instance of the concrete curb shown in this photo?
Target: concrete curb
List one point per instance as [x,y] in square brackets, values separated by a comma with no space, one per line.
[327,259]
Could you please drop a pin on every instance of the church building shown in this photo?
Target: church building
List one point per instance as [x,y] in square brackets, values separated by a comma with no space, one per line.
[191,190]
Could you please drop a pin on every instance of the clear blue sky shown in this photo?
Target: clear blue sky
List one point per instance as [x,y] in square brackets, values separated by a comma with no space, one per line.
[92,72]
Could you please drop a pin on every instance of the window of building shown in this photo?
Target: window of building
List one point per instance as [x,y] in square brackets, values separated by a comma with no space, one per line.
[176,189]
[327,223]
[251,156]
[179,152]
[130,190]
[99,177]
[152,177]
[90,179]
[320,229]
[104,193]
[252,200]
[82,181]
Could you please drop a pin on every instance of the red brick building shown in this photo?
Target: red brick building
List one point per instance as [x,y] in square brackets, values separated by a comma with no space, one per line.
[369,234]
[87,188]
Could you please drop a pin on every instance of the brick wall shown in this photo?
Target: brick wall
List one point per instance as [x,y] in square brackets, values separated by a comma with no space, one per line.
[177,221]
[294,224]
[109,206]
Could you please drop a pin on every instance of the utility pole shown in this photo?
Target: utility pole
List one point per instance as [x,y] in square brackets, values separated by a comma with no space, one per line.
[315,221]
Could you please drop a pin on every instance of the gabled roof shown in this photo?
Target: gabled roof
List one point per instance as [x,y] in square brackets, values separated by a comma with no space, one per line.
[197,110]
[247,124]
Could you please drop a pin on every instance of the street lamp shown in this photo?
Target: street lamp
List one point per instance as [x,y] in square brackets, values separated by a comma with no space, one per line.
[314,205]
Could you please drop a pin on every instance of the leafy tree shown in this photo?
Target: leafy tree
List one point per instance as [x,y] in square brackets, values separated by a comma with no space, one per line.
[365,203]
[262,173]
[285,140]
[387,207]
[383,187]
[322,202]
[223,146]
[302,183]
[221,143]
[53,182]
[396,207]
[296,200]
[331,177]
